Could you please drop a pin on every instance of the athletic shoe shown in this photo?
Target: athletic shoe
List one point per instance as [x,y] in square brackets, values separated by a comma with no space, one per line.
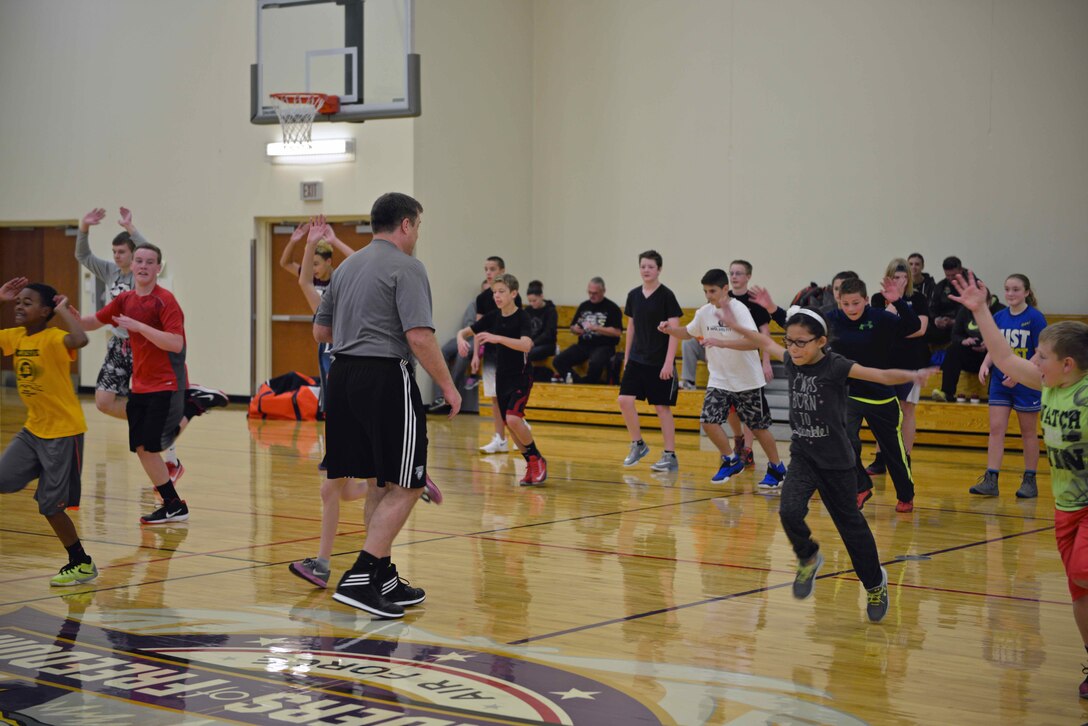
[497,445]
[687,386]
[986,485]
[438,406]
[74,573]
[638,451]
[864,497]
[904,507]
[530,472]
[175,470]
[540,474]
[176,511]
[748,457]
[804,582]
[310,570]
[878,466]
[939,396]
[1028,488]
[667,462]
[731,466]
[471,383]
[357,590]
[1084,683]
[877,606]
[774,476]
[396,589]
[206,397]
[431,493]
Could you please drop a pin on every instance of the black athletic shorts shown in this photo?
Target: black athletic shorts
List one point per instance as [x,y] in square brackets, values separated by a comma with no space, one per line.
[513,395]
[644,382]
[375,423]
[153,419]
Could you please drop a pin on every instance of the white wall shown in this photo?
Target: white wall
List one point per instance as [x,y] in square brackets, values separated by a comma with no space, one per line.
[808,138]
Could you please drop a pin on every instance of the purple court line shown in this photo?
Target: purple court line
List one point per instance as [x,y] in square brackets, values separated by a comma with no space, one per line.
[768,588]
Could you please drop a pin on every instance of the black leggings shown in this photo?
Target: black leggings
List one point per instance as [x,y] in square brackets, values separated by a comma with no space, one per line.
[885,420]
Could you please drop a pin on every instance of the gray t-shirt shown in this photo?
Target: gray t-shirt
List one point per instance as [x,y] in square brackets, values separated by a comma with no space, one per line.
[376,295]
[818,411]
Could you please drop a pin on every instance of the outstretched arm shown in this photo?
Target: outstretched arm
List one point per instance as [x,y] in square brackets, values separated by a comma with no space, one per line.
[285,259]
[891,376]
[330,237]
[524,343]
[99,267]
[172,342]
[974,296]
[676,331]
[755,339]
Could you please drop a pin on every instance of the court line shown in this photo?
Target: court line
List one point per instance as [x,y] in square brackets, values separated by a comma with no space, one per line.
[768,588]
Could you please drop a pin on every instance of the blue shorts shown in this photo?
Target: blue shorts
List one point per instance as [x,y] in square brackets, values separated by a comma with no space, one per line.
[1019,397]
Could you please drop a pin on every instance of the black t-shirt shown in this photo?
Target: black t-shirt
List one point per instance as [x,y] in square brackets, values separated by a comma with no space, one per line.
[509,363]
[605,314]
[485,302]
[544,323]
[818,411]
[759,313]
[651,345]
[909,353]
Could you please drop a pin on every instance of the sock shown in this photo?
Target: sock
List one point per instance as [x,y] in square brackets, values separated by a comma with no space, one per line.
[76,555]
[366,562]
[172,454]
[322,562]
[995,472]
[640,442]
[167,492]
[1029,471]
[667,451]
[531,450]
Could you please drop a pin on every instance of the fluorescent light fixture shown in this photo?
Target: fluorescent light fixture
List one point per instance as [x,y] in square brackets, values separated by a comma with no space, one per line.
[318,151]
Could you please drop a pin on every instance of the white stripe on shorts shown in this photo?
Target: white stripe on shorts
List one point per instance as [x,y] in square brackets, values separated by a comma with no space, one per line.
[408,439]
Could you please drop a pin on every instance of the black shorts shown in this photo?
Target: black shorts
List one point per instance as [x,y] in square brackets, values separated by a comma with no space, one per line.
[375,423]
[513,395]
[644,382]
[154,419]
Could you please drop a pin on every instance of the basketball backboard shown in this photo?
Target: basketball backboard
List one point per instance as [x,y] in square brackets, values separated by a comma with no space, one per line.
[359,50]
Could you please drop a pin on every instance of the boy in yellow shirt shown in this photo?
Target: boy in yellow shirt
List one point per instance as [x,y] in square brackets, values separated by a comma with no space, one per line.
[49,447]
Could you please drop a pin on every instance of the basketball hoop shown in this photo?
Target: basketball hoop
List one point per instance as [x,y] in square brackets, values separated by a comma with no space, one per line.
[296,112]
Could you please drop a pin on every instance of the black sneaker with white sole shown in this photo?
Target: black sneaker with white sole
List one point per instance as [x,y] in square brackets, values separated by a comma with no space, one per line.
[397,590]
[205,397]
[175,511]
[358,589]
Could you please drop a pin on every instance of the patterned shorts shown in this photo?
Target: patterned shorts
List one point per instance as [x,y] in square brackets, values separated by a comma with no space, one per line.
[751,407]
[117,368]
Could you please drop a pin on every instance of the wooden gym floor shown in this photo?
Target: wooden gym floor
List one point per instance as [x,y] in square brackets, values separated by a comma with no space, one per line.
[608,596]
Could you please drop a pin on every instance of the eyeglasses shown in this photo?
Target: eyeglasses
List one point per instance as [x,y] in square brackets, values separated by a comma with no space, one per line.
[791,343]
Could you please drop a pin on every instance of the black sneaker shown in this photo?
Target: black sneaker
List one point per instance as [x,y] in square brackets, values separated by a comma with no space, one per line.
[878,466]
[397,590]
[205,397]
[175,511]
[876,606]
[357,590]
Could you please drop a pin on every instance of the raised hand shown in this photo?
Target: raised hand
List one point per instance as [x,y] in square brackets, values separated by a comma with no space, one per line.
[761,297]
[726,316]
[92,218]
[973,295]
[126,219]
[890,289]
[61,301]
[300,232]
[11,289]
[317,229]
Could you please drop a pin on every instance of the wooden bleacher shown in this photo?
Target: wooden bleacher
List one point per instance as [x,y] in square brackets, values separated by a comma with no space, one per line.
[939,424]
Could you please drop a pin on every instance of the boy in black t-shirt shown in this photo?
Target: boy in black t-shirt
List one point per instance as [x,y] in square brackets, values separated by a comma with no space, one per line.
[494,266]
[649,361]
[507,328]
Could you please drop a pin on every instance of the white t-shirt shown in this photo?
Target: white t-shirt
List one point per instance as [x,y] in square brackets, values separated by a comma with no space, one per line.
[731,370]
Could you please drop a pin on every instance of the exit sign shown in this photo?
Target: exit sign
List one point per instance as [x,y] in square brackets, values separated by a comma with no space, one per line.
[311,191]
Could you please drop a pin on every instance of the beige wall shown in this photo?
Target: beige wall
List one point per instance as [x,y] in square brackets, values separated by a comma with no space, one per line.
[808,138]
[567,136]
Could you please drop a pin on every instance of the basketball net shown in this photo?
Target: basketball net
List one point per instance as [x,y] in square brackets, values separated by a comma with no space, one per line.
[296,112]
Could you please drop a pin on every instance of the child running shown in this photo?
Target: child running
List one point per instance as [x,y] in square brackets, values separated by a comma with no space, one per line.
[1020,324]
[49,447]
[736,381]
[821,456]
[1060,368]
[509,330]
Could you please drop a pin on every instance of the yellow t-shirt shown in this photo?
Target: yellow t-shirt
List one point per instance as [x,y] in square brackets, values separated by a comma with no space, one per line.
[44,383]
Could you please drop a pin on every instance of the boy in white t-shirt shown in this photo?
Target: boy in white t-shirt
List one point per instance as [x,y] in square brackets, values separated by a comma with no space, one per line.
[736,381]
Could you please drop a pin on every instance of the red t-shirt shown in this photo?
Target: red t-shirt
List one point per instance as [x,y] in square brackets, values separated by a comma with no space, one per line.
[153,369]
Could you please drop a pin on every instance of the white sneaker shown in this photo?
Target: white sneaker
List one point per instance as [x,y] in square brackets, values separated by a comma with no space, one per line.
[497,445]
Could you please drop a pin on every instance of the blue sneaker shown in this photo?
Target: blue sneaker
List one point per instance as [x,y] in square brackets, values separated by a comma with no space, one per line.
[731,466]
[774,476]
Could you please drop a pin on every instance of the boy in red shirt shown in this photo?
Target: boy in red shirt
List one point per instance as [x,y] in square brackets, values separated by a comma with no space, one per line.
[156,406]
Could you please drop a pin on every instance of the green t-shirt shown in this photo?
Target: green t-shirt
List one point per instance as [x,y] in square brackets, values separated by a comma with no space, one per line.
[1065,431]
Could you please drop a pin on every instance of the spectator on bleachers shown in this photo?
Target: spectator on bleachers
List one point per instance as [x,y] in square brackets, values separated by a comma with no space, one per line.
[545,323]
[965,353]
[921,280]
[598,323]
[457,364]
[942,309]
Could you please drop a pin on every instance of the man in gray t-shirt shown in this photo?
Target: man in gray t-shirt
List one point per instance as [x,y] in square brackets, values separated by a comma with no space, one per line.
[377,314]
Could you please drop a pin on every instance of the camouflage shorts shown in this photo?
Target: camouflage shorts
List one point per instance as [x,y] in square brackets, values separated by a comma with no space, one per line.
[117,368]
[751,407]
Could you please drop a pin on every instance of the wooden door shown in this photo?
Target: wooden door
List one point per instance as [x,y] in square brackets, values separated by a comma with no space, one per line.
[43,254]
[293,346]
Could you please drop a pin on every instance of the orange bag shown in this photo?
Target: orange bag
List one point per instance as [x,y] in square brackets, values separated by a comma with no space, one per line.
[290,397]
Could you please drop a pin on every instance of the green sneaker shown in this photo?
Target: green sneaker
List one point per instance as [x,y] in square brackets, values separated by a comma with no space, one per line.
[876,606]
[805,580]
[74,574]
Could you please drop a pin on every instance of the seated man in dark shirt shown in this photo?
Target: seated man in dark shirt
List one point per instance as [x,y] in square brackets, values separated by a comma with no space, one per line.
[598,323]
[942,308]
